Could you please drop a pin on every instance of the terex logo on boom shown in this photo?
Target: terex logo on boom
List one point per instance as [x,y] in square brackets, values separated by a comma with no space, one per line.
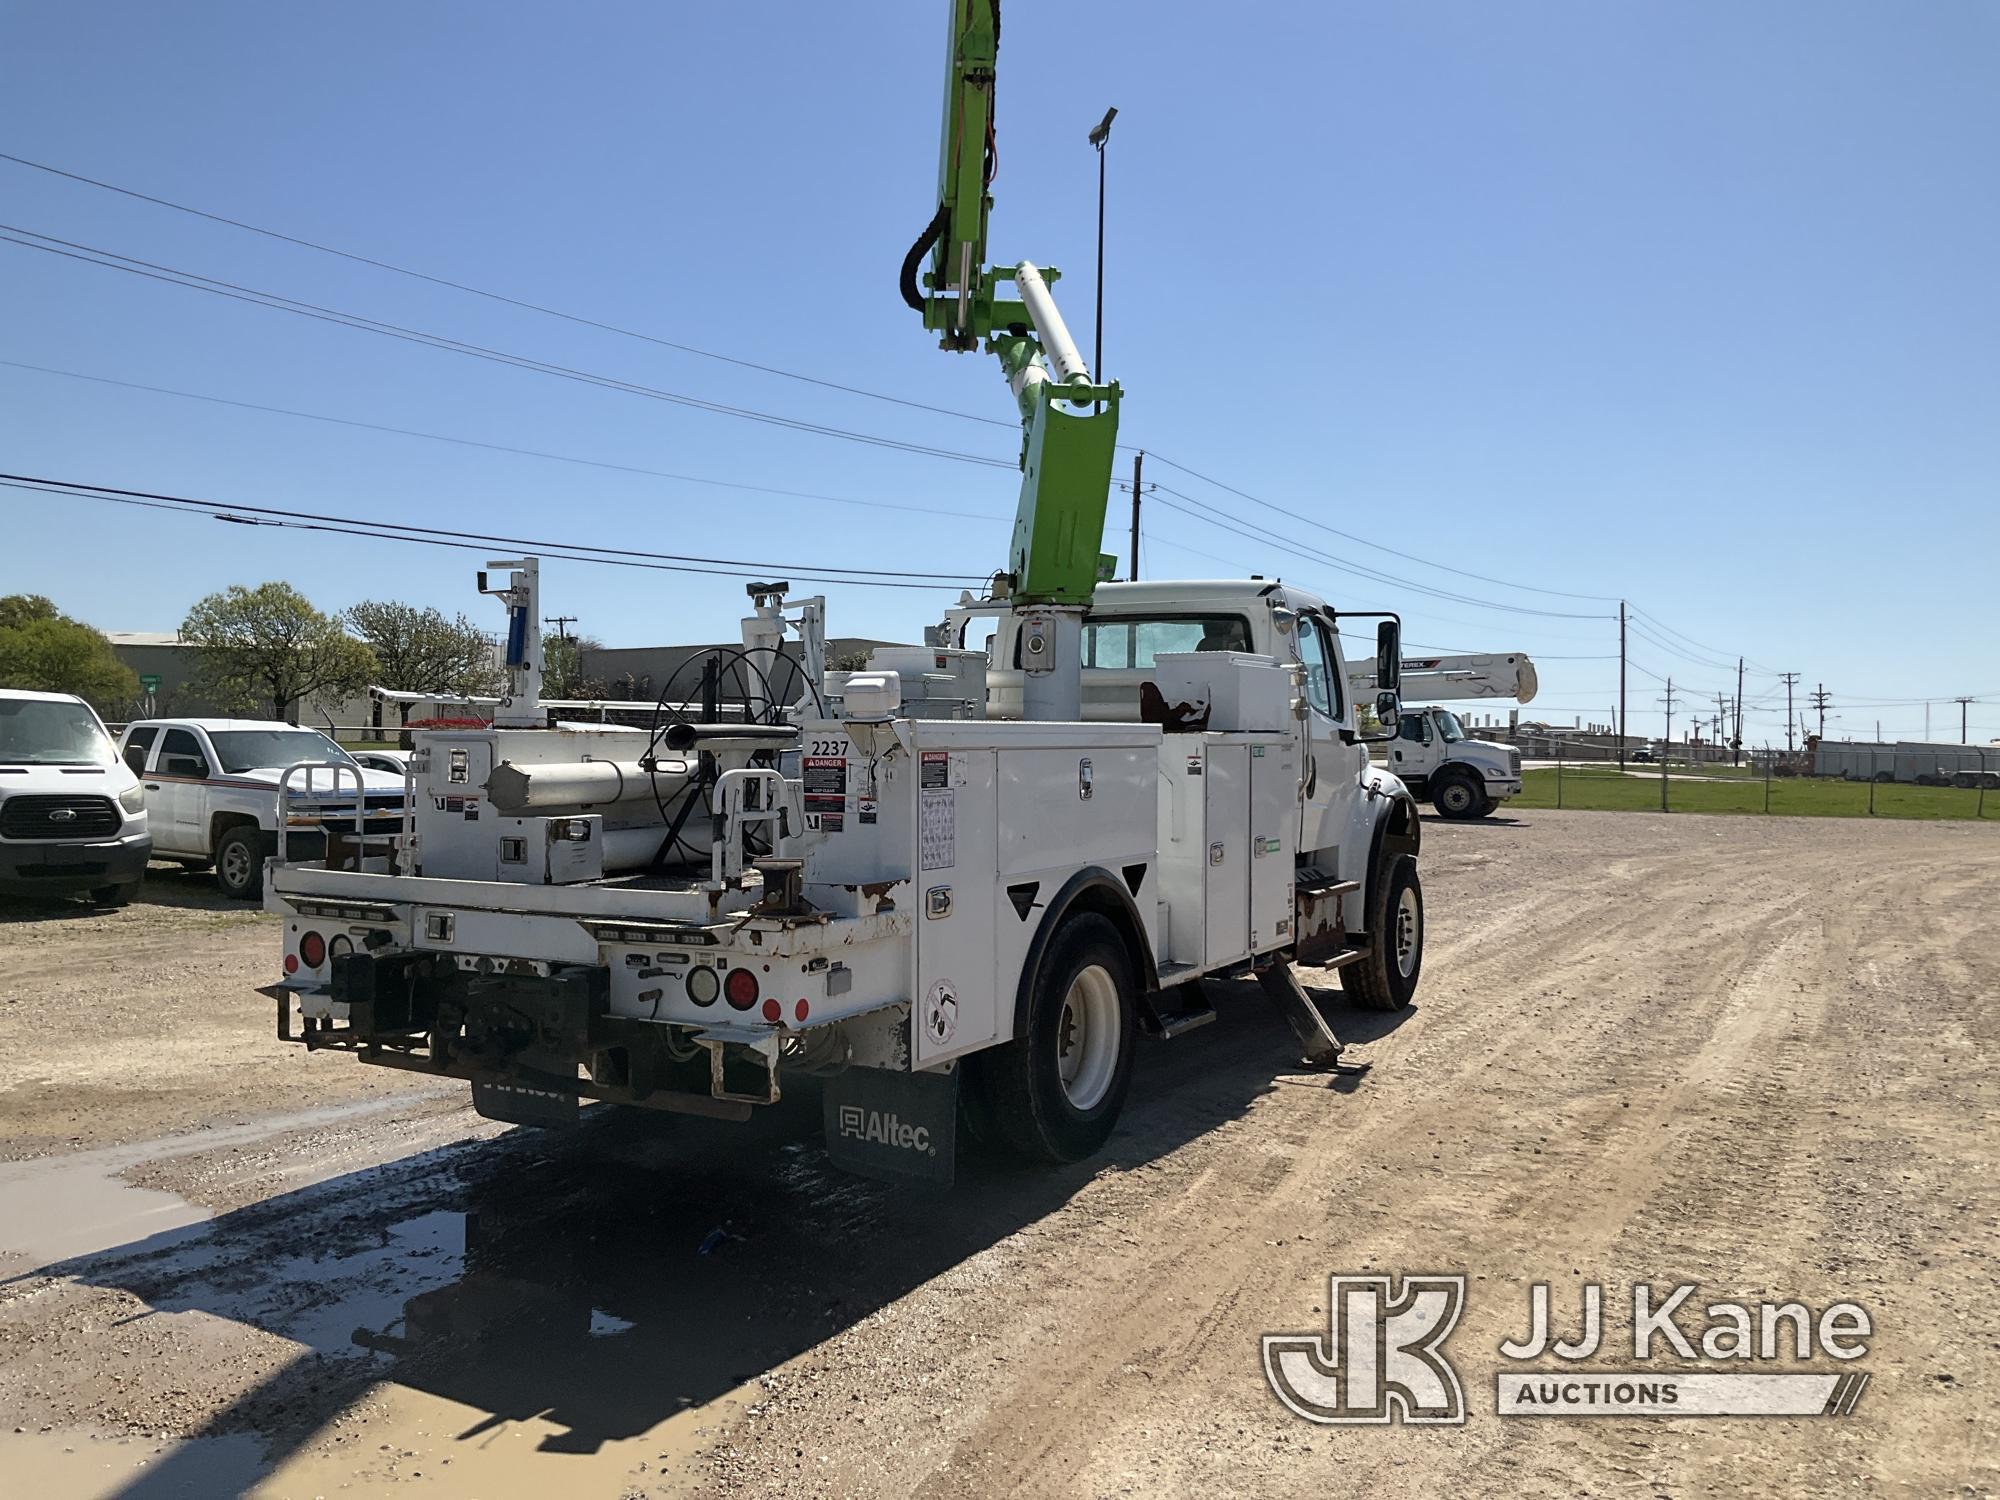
[884,1129]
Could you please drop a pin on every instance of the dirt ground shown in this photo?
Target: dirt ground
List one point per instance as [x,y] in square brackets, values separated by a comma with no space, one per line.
[1754,1054]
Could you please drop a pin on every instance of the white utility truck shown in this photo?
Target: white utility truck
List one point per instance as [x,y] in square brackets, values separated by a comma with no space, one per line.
[961,879]
[875,877]
[1430,750]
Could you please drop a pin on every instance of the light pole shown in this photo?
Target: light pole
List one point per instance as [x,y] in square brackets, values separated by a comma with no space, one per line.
[1098,138]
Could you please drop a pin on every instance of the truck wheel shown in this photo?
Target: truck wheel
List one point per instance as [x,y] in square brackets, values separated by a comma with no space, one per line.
[1486,808]
[239,863]
[1387,977]
[112,895]
[1458,794]
[1054,1093]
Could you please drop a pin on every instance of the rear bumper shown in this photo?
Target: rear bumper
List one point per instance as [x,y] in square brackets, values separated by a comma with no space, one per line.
[56,866]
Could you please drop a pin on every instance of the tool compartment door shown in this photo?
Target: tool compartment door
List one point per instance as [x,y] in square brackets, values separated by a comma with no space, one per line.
[1226,873]
[956,1002]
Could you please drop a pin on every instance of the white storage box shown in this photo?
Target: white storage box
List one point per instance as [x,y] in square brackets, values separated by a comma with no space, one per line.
[1245,693]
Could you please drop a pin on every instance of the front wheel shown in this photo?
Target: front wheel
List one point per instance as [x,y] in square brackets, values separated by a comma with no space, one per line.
[1387,978]
[1459,795]
[1054,1093]
[239,863]
[112,895]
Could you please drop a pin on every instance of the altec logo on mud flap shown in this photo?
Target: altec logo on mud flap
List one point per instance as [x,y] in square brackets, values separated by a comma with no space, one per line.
[1383,1358]
[880,1129]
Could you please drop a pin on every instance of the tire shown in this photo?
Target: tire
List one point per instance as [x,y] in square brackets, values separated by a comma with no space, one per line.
[1387,978]
[1489,807]
[1458,795]
[113,895]
[196,866]
[239,863]
[1082,1018]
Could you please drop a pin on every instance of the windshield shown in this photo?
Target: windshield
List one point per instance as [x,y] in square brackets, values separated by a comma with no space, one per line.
[274,749]
[1449,729]
[41,732]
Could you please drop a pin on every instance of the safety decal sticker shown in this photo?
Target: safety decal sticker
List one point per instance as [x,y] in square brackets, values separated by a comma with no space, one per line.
[941,1014]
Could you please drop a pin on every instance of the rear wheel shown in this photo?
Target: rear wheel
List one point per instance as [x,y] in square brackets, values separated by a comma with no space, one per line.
[1054,1093]
[1387,978]
[239,863]
[1458,794]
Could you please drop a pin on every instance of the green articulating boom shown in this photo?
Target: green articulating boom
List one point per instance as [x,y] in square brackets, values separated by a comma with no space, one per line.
[1069,424]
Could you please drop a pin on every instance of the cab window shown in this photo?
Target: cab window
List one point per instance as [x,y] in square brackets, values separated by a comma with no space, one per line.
[1323,688]
[137,744]
[180,755]
[1136,641]
[1413,727]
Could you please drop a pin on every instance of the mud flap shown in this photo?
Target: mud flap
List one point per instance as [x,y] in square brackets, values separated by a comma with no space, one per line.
[530,1095]
[897,1127]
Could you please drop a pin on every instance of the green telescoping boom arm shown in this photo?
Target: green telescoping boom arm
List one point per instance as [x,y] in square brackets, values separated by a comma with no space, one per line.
[1069,423]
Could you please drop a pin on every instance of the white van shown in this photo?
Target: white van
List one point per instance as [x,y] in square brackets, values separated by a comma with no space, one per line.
[72,814]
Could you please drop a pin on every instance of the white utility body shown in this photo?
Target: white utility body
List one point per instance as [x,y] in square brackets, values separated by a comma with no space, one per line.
[888,882]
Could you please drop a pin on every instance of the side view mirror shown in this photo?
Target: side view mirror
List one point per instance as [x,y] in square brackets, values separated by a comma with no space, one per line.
[1389,657]
[1388,710]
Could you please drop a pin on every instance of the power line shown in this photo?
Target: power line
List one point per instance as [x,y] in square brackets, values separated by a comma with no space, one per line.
[465,442]
[110,260]
[1363,541]
[501,297]
[1209,513]
[395,531]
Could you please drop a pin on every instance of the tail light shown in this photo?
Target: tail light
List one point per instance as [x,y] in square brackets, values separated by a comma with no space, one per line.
[740,989]
[312,950]
[341,943]
[773,1011]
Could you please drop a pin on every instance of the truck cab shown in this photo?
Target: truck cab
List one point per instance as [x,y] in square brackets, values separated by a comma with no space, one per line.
[1131,625]
[1462,777]
[212,790]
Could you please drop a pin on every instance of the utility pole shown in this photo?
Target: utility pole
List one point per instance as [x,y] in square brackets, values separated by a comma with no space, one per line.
[1736,738]
[562,624]
[1790,678]
[1820,696]
[1670,716]
[1138,470]
[1621,685]
[1963,704]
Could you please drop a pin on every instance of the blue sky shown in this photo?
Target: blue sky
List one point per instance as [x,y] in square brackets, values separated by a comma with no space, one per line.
[1689,304]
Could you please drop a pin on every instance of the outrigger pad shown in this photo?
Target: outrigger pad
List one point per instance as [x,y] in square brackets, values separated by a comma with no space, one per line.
[897,1127]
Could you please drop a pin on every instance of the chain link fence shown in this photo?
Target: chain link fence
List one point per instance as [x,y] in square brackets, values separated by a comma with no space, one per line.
[1961,782]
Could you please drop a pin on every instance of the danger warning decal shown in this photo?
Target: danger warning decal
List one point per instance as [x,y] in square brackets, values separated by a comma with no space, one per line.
[824,783]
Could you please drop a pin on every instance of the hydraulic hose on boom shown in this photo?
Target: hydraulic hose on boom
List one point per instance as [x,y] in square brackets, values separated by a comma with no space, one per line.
[1069,421]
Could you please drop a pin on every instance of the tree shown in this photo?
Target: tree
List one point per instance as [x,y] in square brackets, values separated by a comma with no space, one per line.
[562,667]
[45,651]
[421,651]
[268,647]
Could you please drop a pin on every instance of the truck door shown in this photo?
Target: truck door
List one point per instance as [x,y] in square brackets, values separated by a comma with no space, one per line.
[174,788]
[1411,752]
[1328,764]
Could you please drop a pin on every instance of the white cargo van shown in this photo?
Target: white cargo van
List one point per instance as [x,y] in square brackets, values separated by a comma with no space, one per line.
[72,814]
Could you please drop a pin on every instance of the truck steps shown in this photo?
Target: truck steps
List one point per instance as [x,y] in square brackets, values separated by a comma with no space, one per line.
[1179,1006]
[1281,986]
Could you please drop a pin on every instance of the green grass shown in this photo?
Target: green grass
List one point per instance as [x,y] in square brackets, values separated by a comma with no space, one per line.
[1795,797]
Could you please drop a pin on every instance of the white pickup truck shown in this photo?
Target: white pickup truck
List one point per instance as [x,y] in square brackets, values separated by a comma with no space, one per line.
[211,788]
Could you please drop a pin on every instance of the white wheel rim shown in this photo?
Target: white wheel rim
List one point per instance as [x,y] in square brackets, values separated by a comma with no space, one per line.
[236,864]
[1457,797]
[1087,1038]
[1409,931]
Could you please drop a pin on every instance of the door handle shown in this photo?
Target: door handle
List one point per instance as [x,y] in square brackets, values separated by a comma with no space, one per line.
[1312,774]
[152,786]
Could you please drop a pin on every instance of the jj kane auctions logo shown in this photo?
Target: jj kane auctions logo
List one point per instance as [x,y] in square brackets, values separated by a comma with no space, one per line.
[1382,1358]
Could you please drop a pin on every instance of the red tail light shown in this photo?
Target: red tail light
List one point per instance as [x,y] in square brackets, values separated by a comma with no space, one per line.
[740,989]
[291,963]
[773,1011]
[312,950]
